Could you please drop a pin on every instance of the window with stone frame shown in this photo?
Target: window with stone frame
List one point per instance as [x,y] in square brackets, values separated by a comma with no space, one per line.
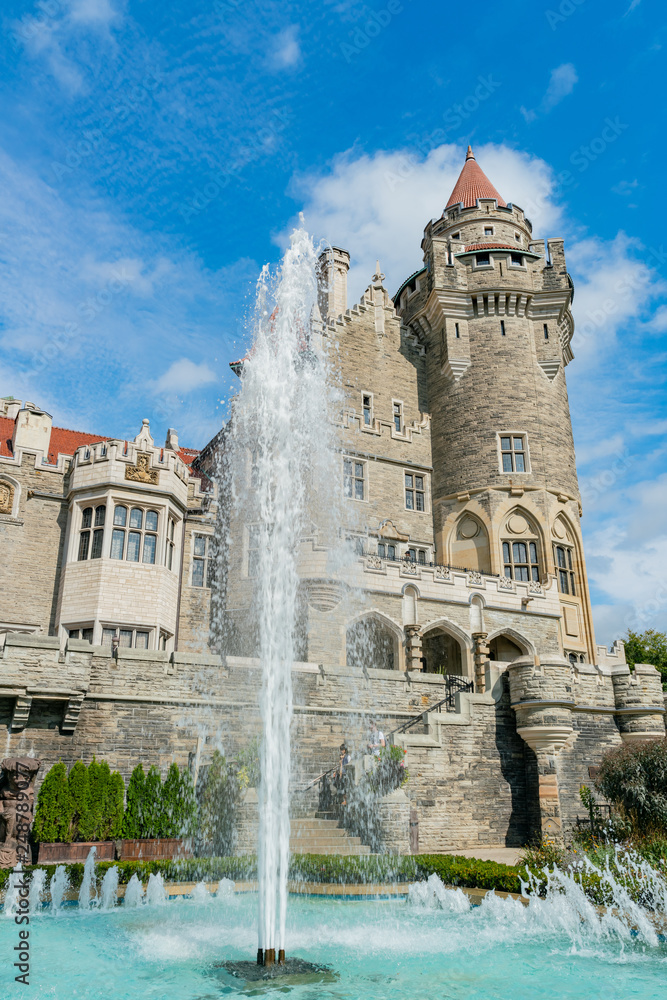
[513,453]
[202,560]
[127,638]
[254,539]
[170,544]
[416,556]
[521,560]
[367,409]
[415,495]
[565,571]
[354,479]
[387,550]
[397,416]
[91,535]
[134,534]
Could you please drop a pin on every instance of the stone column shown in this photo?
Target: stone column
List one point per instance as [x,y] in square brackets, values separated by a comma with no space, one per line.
[541,695]
[481,657]
[413,647]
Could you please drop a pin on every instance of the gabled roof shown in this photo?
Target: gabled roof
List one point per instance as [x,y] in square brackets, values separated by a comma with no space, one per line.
[472,184]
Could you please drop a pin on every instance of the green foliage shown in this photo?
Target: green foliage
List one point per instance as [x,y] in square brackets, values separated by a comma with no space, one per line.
[133,822]
[389,771]
[634,779]
[469,872]
[218,794]
[647,647]
[247,765]
[99,776]
[151,812]
[114,808]
[79,789]
[178,814]
[53,814]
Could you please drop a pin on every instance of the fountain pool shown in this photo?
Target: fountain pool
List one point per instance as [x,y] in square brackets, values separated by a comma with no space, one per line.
[394,950]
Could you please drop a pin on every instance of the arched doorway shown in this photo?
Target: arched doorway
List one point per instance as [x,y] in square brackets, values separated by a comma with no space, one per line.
[442,653]
[504,649]
[371,644]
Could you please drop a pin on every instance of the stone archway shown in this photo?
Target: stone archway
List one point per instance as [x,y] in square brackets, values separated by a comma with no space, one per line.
[371,644]
[442,653]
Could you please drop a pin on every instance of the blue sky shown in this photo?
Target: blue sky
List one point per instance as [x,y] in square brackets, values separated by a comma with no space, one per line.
[154,155]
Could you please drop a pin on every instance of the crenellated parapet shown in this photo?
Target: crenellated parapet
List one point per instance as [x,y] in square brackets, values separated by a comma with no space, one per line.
[640,709]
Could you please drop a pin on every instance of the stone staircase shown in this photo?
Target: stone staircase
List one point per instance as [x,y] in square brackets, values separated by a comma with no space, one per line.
[318,835]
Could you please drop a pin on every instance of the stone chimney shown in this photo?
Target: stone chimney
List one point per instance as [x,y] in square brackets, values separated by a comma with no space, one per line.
[32,429]
[172,440]
[334,264]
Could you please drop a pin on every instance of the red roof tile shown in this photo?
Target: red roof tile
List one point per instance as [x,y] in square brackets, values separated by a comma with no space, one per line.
[472,184]
[188,455]
[6,432]
[64,442]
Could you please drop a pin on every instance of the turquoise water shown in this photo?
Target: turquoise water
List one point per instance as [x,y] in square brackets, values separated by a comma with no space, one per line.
[379,949]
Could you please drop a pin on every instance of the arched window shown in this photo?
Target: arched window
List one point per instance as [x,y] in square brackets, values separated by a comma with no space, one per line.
[504,649]
[521,549]
[371,645]
[469,545]
[564,558]
[441,653]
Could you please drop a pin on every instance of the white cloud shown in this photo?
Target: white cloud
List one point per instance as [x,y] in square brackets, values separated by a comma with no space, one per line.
[284,51]
[377,206]
[184,376]
[561,84]
[93,12]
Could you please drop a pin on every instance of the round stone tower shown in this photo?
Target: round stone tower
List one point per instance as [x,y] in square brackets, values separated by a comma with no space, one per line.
[491,307]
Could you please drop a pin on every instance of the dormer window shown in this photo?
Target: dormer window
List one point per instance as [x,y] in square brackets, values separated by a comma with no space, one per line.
[482,260]
[516,259]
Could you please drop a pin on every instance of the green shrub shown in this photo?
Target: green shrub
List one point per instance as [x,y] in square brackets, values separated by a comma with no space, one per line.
[114,807]
[54,810]
[133,822]
[151,810]
[79,789]
[218,794]
[634,779]
[178,812]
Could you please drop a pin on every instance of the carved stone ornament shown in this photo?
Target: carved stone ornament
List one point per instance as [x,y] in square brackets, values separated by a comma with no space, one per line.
[142,472]
[17,802]
[474,578]
[442,573]
[374,562]
[324,596]
[535,587]
[6,498]
[505,583]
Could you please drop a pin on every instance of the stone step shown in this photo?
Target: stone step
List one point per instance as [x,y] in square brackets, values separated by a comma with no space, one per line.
[314,843]
[330,826]
[343,851]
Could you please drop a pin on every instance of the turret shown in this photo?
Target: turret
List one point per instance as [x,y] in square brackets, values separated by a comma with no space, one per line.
[491,308]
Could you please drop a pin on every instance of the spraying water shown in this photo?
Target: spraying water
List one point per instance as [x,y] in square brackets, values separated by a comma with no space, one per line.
[109,889]
[155,892]
[58,886]
[88,893]
[12,893]
[281,422]
[134,894]
[36,891]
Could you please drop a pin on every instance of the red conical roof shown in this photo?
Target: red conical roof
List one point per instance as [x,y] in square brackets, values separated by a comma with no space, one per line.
[472,184]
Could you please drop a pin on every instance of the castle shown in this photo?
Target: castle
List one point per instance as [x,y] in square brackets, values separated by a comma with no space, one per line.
[474,630]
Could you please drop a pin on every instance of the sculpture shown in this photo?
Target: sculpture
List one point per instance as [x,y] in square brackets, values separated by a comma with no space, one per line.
[17,806]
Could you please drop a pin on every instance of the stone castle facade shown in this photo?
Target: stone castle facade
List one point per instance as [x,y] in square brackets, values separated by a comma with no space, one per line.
[458,474]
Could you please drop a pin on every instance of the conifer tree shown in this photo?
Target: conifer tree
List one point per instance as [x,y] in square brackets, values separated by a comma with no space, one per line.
[114,807]
[53,814]
[169,819]
[98,779]
[133,822]
[152,804]
[79,789]
[188,812]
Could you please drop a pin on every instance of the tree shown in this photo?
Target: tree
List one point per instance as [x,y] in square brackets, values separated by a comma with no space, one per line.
[634,778]
[188,812]
[217,794]
[79,789]
[133,819]
[99,776]
[152,804]
[169,824]
[647,647]
[53,814]
[114,807]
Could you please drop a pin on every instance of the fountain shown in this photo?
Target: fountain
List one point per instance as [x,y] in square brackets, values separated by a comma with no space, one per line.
[134,893]
[88,891]
[58,886]
[282,418]
[109,889]
[36,891]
